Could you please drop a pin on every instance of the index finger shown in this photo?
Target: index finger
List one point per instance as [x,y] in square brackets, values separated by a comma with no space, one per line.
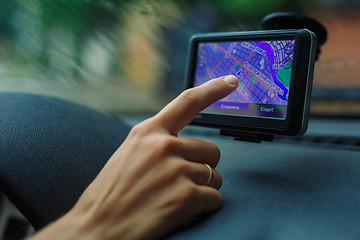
[183,109]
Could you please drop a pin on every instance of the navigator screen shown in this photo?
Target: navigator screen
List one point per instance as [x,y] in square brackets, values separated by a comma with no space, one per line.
[264,72]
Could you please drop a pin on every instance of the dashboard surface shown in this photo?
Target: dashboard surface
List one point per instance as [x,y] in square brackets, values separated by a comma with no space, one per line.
[291,188]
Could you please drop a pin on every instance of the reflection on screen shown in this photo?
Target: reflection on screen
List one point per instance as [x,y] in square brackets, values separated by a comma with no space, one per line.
[263,69]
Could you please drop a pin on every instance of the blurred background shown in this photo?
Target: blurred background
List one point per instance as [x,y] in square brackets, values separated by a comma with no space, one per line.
[128,56]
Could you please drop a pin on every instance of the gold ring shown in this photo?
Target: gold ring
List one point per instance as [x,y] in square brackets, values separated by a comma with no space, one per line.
[211,174]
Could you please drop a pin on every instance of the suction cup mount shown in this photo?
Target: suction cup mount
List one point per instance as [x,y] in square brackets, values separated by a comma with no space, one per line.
[290,20]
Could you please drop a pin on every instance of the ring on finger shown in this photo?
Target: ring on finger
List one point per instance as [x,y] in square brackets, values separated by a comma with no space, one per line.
[210,175]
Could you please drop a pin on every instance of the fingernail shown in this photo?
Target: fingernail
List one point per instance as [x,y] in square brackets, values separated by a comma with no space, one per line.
[232,80]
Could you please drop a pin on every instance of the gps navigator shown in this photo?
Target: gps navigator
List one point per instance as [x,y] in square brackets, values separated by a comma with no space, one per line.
[275,71]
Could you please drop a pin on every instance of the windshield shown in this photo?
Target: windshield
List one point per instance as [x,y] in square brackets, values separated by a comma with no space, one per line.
[130,56]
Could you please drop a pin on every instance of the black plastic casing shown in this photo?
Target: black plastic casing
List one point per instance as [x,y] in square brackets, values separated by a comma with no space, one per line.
[296,120]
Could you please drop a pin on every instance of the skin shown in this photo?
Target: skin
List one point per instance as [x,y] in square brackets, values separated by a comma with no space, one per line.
[155,181]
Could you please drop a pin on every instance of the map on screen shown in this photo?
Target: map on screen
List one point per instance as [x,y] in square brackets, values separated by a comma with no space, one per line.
[263,69]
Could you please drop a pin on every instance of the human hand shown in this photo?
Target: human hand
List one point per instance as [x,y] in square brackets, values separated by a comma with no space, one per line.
[155,182]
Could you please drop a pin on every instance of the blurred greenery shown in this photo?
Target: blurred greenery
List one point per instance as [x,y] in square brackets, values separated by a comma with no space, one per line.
[109,53]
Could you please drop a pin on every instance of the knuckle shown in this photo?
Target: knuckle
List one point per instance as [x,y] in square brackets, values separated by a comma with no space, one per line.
[187,195]
[217,84]
[215,150]
[217,181]
[180,168]
[166,143]
[189,96]
[220,182]
[217,200]
[191,192]
[160,146]
[139,129]
[143,128]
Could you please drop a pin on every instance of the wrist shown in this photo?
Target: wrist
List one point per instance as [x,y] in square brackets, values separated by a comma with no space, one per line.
[70,226]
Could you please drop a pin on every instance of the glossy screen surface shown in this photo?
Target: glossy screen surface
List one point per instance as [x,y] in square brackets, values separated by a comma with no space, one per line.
[264,72]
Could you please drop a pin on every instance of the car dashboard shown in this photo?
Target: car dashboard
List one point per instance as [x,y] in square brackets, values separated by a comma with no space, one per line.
[291,188]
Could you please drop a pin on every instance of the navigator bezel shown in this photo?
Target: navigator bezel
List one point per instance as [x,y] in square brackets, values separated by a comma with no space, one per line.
[296,120]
